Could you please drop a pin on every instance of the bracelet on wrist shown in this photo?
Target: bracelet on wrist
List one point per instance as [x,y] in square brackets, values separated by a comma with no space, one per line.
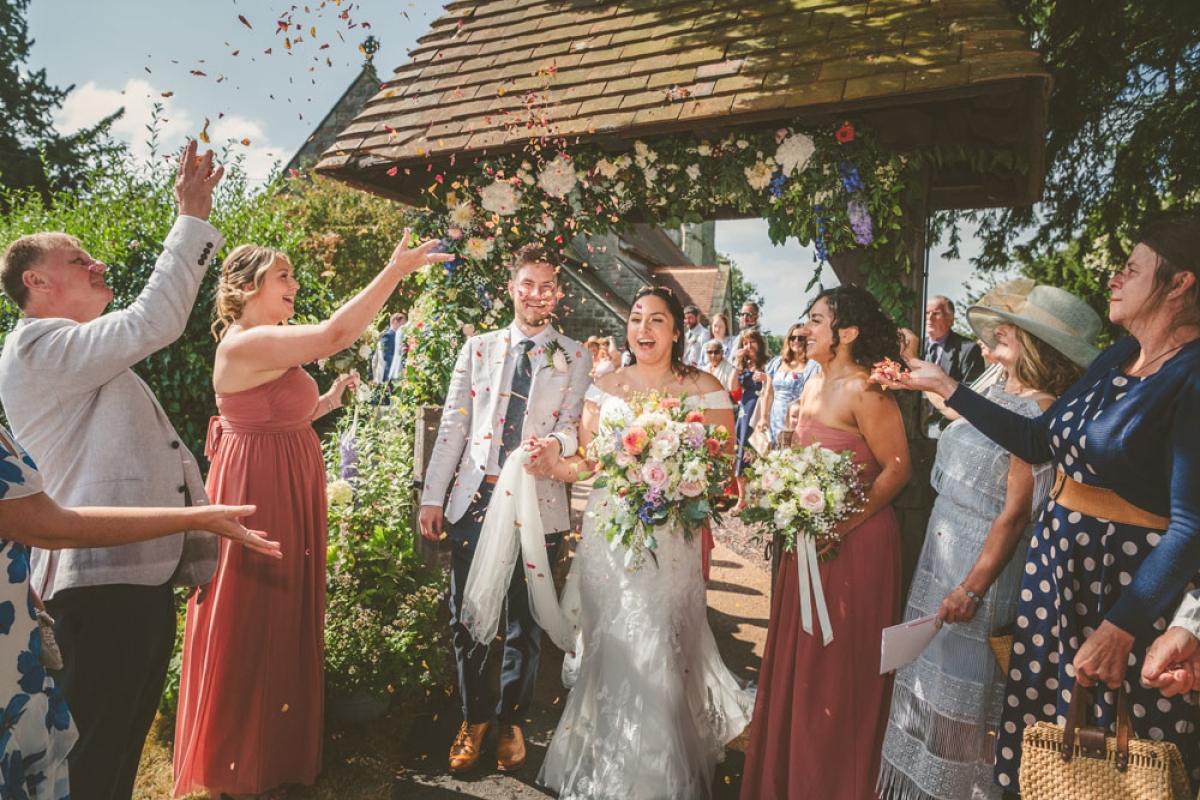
[974,598]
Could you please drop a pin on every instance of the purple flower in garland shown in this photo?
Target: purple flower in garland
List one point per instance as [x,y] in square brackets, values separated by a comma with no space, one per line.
[860,221]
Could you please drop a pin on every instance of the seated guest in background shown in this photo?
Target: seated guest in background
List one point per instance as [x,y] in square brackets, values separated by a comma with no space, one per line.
[1124,520]
[105,440]
[974,553]
[717,365]
[40,732]
[958,356]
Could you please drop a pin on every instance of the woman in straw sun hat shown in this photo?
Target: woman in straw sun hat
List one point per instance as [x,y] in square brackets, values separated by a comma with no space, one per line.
[1118,543]
[971,563]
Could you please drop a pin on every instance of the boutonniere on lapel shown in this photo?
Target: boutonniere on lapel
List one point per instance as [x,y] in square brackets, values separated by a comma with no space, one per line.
[556,356]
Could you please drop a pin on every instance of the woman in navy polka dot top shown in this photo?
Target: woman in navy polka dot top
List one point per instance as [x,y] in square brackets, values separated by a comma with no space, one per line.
[1118,543]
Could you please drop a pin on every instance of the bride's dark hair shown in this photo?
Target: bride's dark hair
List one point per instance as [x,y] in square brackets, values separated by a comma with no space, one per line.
[679,346]
[852,307]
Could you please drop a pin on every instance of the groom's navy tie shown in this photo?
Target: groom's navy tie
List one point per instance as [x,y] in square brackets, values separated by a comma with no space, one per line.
[514,417]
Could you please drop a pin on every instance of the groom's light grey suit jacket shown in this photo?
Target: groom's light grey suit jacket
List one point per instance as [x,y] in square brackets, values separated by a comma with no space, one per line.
[475,408]
[97,432]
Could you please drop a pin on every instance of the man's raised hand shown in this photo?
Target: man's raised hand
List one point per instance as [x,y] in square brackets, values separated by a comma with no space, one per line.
[195,181]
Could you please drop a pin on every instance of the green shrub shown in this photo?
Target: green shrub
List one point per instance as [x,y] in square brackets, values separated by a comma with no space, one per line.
[383,634]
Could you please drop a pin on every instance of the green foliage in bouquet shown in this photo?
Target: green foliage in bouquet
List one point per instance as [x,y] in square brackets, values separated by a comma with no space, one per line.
[382,630]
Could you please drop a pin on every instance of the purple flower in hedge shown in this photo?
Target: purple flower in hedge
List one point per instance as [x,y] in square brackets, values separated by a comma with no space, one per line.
[348,449]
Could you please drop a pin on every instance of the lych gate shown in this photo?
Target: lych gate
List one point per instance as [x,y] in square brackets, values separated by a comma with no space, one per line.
[955,81]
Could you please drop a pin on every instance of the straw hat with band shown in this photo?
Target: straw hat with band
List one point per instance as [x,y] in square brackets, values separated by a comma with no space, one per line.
[1057,317]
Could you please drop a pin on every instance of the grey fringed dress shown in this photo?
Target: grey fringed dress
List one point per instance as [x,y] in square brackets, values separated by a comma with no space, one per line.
[941,734]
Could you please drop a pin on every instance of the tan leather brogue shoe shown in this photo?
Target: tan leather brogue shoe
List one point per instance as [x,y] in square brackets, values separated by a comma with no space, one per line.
[465,750]
[510,752]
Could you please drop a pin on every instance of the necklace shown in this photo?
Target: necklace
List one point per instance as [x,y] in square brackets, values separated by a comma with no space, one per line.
[1157,358]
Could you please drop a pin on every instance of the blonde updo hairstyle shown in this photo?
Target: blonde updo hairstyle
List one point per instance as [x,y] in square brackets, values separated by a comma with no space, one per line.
[247,264]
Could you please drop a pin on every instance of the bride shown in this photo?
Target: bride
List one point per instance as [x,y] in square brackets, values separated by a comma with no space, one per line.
[653,705]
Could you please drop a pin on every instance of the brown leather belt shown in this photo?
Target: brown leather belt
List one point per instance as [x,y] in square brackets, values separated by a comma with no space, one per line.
[1102,504]
[491,479]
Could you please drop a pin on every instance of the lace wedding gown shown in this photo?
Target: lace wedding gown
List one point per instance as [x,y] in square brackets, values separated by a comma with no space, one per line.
[653,705]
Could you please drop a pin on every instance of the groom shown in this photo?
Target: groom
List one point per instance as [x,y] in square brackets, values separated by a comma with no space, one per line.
[509,385]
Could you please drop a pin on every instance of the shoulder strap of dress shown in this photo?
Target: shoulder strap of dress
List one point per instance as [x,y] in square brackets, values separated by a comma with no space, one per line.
[596,395]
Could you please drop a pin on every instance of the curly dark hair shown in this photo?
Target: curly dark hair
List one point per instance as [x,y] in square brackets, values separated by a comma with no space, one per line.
[676,309]
[853,307]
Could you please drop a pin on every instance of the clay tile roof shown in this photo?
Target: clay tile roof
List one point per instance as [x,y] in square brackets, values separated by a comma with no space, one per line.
[692,285]
[634,68]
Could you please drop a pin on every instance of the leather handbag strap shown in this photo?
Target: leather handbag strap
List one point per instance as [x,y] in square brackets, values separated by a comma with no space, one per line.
[1092,738]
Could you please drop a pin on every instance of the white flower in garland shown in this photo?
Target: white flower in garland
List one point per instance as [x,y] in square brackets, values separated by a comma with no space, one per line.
[500,198]
[759,175]
[693,172]
[651,174]
[704,149]
[793,154]
[643,155]
[477,248]
[607,169]
[462,215]
[558,176]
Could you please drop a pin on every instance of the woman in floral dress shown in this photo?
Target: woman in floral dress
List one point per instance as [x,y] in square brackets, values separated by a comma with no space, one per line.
[36,730]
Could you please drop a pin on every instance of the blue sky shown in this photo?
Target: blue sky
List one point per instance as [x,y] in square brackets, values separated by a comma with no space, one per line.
[137,53]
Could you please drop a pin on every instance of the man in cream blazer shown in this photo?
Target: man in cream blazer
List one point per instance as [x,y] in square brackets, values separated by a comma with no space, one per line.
[475,436]
[100,437]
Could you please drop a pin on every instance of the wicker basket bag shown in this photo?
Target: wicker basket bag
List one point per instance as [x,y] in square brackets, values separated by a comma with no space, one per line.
[1083,762]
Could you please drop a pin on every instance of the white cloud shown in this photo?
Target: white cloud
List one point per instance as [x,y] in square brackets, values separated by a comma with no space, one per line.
[88,104]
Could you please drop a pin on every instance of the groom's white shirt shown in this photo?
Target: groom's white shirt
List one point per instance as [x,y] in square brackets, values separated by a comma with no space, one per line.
[469,438]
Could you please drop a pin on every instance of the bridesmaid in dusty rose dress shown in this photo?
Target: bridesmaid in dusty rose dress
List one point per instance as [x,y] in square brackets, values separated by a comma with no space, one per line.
[251,693]
[821,709]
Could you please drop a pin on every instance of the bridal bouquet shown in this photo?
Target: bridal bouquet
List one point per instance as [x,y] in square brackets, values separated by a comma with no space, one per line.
[807,490]
[804,494]
[660,463]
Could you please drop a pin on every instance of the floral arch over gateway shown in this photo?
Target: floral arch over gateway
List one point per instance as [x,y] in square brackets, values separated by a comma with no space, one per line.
[834,187]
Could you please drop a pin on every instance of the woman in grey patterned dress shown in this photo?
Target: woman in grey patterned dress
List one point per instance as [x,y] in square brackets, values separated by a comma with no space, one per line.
[940,740]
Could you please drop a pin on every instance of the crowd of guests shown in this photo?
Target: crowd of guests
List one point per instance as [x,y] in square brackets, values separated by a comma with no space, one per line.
[1067,514]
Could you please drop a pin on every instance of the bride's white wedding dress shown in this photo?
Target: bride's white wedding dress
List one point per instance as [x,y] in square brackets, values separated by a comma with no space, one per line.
[653,704]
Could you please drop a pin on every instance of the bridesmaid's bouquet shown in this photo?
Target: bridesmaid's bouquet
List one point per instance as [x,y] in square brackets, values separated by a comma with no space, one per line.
[660,463]
[803,494]
[806,492]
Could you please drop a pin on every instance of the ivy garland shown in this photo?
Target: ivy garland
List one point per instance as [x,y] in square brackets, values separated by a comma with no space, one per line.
[835,187]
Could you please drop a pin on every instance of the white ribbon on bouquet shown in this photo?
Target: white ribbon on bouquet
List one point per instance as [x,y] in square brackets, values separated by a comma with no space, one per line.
[808,571]
[512,530]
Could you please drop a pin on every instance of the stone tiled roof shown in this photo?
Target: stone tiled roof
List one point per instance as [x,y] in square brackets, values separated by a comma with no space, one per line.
[620,69]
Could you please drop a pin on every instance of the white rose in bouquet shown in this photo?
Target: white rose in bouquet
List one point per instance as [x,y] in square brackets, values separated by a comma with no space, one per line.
[664,445]
[812,499]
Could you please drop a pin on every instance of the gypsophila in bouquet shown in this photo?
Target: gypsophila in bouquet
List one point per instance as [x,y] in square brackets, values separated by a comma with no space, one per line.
[660,463]
[804,491]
